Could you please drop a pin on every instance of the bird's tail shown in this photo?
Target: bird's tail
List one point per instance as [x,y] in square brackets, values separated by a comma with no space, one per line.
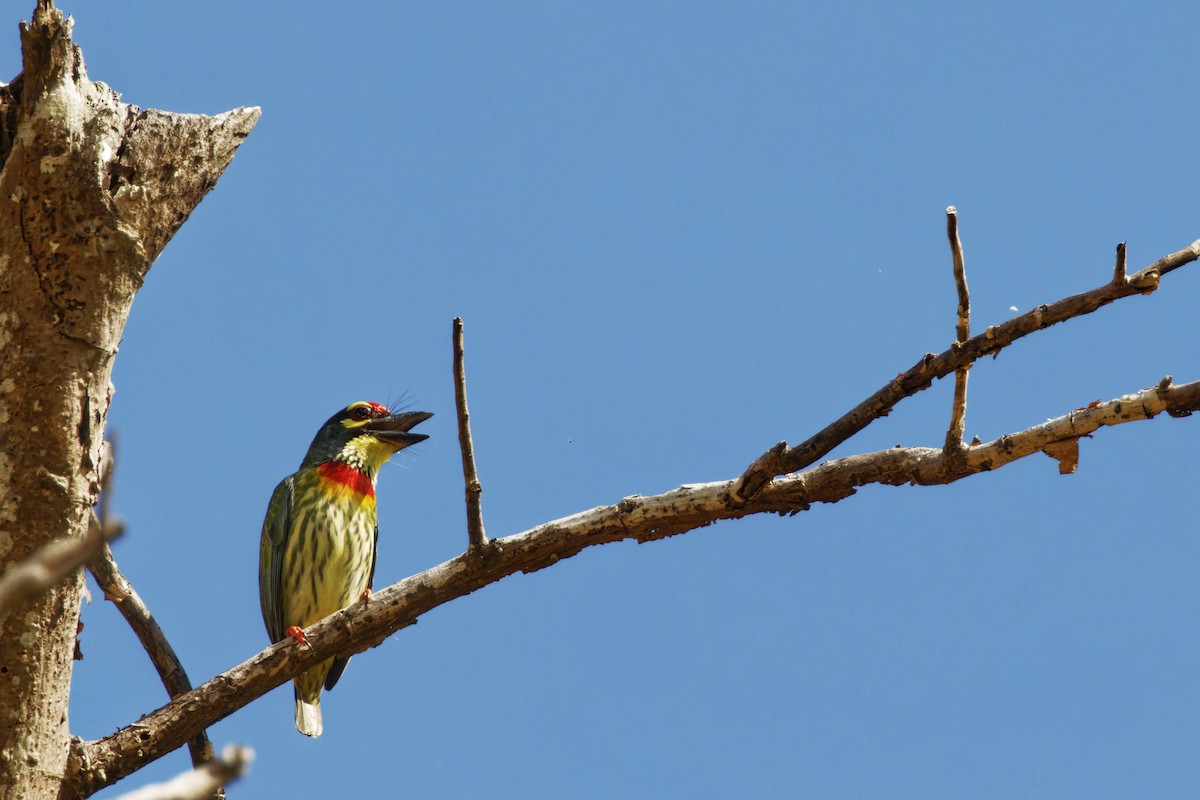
[308,714]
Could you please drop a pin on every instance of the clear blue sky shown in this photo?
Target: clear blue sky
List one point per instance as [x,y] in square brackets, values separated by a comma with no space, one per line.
[677,233]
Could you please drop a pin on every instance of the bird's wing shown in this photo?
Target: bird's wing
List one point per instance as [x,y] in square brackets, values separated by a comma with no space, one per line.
[374,552]
[339,662]
[276,528]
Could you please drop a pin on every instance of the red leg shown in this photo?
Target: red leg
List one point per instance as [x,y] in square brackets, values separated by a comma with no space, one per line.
[297,633]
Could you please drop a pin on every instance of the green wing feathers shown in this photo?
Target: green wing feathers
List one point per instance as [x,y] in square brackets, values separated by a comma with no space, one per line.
[276,528]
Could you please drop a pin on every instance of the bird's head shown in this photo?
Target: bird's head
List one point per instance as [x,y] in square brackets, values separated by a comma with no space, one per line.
[365,435]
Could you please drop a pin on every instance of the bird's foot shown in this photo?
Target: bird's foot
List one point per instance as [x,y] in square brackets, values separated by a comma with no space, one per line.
[365,596]
[297,633]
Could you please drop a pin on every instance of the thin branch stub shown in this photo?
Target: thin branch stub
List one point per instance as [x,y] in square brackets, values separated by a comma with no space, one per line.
[476,536]
[958,411]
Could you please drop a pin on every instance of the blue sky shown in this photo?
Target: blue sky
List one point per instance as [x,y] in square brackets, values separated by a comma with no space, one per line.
[677,233]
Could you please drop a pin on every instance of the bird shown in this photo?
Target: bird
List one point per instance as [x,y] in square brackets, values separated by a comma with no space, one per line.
[317,552]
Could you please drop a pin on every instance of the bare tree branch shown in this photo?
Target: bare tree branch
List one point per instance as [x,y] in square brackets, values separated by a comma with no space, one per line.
[170,670]
[476,535]
[99,763]
[120,591]
[202,782]
[781,459]
[47,566]
[958,413]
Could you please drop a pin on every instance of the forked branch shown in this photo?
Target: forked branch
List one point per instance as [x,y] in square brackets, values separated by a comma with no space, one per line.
[170,670]
[782,459]
[120,591]
[100,763]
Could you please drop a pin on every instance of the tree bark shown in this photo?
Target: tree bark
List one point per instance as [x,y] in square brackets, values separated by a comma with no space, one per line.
[91,190]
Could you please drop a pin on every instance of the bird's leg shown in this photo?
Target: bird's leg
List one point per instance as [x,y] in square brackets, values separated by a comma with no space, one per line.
[365,596]
[297,633]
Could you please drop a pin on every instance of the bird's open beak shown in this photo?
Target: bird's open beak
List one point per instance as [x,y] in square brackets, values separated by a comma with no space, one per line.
[394,428]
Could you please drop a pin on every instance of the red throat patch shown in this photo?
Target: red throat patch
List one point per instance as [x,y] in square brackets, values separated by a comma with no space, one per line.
[352,478]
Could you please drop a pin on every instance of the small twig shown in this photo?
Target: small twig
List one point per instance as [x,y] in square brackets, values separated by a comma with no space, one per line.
[108,464]
[51,563]
[476,536]
[1119,278]
[199,783]
[958,413]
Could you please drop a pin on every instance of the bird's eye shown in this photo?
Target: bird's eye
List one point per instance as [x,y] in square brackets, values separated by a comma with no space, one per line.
[359,413]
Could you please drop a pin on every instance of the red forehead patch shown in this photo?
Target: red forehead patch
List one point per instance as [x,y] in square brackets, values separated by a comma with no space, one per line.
[378,409]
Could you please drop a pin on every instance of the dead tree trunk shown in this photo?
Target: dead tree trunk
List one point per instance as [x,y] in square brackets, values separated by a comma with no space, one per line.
[91,190]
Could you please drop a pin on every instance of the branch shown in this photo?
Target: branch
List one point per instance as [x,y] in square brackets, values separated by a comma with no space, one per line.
[47,566]
[170,670]
[120,591]
[476,535]
[1119,278]
[639,518]
[782,459]
[958,413]
[199,783]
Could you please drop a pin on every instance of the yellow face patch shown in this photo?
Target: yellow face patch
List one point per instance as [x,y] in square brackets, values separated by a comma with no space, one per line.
[366,453]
